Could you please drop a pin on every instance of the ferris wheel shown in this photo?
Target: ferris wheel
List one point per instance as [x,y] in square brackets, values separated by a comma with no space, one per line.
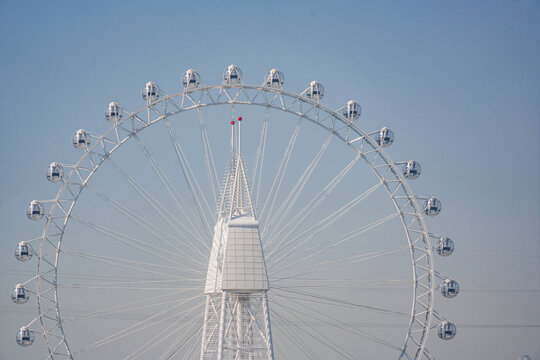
[234,221]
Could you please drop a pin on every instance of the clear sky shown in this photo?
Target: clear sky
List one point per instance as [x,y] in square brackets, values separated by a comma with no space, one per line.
[459,80]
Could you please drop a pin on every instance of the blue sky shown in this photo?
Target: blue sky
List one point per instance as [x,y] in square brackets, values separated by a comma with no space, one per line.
[459,81]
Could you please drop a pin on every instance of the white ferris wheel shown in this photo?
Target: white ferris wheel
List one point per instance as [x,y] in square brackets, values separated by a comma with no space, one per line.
[234,221]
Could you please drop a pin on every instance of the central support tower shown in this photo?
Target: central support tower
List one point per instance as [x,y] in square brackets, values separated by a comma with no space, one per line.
[236,319]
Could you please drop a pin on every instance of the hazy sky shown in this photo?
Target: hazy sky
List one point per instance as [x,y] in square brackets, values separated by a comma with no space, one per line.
[459,80]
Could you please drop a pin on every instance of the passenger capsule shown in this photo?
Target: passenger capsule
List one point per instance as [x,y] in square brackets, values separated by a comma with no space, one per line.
[446,330]
[35,211]
[55,172]
[191,79]
[113,112]
[274,79]
[445,247]
[20,295]
[432,207]
[315,91]
[352,110]
[25,336]
[232,75]
[412,170]
[150,92]
[24,251]
[385,137]
[449,288]
[81,139]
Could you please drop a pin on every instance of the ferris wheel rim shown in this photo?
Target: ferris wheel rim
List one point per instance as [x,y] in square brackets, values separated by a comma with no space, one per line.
[277,92]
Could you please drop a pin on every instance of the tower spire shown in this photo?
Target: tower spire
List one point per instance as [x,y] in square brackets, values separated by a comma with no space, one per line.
[236,197]
[236,281]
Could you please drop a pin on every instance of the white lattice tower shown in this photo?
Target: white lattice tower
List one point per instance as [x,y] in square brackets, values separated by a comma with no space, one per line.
[237,319]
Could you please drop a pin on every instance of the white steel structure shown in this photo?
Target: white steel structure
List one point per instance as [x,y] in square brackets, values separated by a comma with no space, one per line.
[144,254]
[236,318]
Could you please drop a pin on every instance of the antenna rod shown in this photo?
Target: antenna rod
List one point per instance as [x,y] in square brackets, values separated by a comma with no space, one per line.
[232,138]
[239,133]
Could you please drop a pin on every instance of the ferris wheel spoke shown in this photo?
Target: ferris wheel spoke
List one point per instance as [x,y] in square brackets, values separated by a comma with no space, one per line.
[129,314]
[120,263]
[213,178]
[157,206]
[342,239]
[130,306]
[131,288]
[259,158]
[296,191]
[326,265]
[313,230]
[288,229]
[136,285]
[316,335]
[316,314]
[167,356]
[191,352]
[191,181]
[162,335]
[141,325]
[333,321]
[173,192]
[123,333]
[278,177]
[329,282]
[146,225]
[327,300]
[299,346]
[145,247]
[350,286]
[132,283]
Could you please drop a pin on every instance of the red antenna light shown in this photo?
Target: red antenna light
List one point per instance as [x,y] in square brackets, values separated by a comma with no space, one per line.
[232,122]
[239,118]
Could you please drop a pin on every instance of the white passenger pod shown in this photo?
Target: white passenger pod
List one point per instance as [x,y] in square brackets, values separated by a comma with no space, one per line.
[352,110]
[232,75]
[55,172]
[24,251]
[432,207]
[315,91]
[113,112]
[35,210]
[449,288]
[385,137]
[274,79]
[446,330]
[25,336]
[19,294]
[445,247]
[150,92]
[412,170]
[191,79]
[81,139]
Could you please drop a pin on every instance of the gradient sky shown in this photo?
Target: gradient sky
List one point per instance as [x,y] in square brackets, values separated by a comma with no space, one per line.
[460,80]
